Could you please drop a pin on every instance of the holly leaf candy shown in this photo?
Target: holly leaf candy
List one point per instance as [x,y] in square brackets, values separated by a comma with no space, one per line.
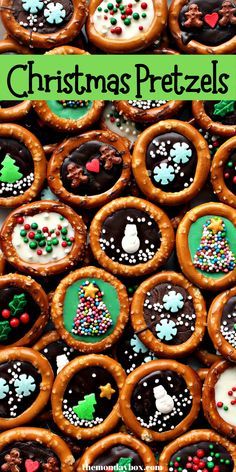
[4,330]
[17,304]
[224,107]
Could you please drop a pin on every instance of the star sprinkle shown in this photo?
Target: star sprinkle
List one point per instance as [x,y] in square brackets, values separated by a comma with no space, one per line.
[216,225]
[90,290]
[106,391]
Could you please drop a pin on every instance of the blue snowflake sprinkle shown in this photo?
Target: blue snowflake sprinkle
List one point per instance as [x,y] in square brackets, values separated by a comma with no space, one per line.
[173,301]
[32,6]
[24,385]
[137,345]
[54,13]
[164,173]
[166,330]
[181,153]
[4,388]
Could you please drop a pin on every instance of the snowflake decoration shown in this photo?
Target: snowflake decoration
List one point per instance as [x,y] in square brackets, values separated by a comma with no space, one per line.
[32,6]
[173,301]
[54,13]
[4,388]
[24,385]
[166,329]
[47,194]
[137,345]
[150,358]
[181,153]
[164,173]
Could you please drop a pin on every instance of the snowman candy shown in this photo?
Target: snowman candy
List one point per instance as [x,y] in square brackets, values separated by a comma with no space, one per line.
[164,402]
[130,242]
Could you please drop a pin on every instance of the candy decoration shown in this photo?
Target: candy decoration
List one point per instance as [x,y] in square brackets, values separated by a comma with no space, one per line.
[24,385]
[17,304]
[224,107]
[31,466]
[93,166]
[214,254]
[137,345]
[205,460]
[124,464]
[164,402]
[181,153]
[211,19]
[32,6]
[54,13]
[106,391]
[173,301]
[13,461]
[130,242]
[10,171]
[4,388]
[93,317]
[4,330]
[164,173]
[166,330]
[85,408]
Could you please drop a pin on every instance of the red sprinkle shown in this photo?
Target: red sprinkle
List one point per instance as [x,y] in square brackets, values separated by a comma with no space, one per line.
[140,28]
[105,17]
[14,323]
[234,389]
[144,5]
[128,11]
[201,464]
[31,235]
[189,465]
[64,244]
[216,468]
[196,460]
[123,17]
[39,252]
[226,175]
[20,220]
[6,313]
[230,393]
[200,453]
[45,229]
[234,179]
[117,30]
[27,226]
[24,318]
[219,404]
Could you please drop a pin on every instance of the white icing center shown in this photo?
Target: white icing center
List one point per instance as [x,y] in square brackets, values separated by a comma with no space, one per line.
[225,384]
[51,220]
[102,24]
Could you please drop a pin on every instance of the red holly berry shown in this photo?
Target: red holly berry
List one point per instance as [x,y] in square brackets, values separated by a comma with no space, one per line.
[144,5]
[200,453]
[14,323]
[24,318]
[20,220]
[31,235]
[27,226]
[6,313]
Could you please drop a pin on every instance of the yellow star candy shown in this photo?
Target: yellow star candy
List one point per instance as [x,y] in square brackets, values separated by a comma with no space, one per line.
[106,391]
[216,225]
[90,290]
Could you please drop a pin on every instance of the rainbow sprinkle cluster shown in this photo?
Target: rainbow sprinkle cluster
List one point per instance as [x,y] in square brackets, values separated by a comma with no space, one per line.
[93,317]
[74,103]
[214,254]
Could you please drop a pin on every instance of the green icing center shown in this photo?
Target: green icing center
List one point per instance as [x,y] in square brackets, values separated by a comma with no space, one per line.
[68,112]
[195,241]
[76,304]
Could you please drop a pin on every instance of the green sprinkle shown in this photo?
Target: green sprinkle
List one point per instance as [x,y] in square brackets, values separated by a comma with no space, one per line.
[33,244]
[227,461]
[210,465]
[127,21]
[38,237]
[110,6]
[105,10]
[211,446]
[42,243]
[64,231]
[226,408]
[99,8]
[136,16]
[62,217]
[217,454]
[178,458]
[113,21]
[34,226]
[144,15]
[230,164]
[55,241]
[49,248]
[26,240]
[23,232]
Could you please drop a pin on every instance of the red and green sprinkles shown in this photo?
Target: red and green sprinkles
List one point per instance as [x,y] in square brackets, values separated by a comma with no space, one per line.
[92,317]
[203,460]
[44,239]
[232,400]
[125,13]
